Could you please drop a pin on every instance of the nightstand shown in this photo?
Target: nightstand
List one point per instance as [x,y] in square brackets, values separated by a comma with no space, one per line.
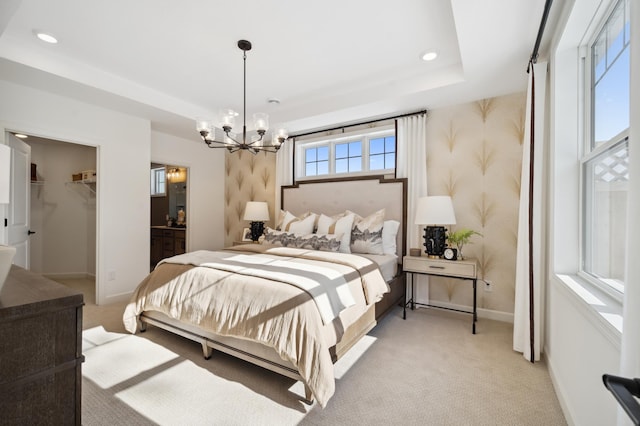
[462,269]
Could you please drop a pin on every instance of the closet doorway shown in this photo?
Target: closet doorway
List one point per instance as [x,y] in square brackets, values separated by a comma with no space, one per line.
[63,213]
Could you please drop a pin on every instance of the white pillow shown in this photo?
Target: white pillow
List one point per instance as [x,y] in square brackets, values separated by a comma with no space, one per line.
[288,217]
[338,225]
[389,232]
[280,220]
[304,226]
[324,223]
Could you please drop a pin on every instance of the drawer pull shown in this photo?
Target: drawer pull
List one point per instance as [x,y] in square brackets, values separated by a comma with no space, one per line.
[436,267]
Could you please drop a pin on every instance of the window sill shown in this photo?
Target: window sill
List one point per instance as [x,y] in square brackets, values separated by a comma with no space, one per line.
[602,310]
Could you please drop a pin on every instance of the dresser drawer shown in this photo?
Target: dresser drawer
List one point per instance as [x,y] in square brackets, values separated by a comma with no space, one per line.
[452,268]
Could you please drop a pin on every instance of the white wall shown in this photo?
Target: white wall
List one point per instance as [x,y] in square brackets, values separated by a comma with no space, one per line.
[205,192]
[63,215]
[579,352]
[123,144]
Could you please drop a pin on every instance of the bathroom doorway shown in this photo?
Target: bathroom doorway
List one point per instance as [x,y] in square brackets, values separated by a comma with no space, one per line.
[169,211]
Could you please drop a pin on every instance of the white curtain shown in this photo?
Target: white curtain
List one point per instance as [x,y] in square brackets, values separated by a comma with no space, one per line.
[284,172]
[531,252]
[411,148]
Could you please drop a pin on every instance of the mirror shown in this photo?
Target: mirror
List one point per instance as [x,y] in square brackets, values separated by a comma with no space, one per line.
[168,195]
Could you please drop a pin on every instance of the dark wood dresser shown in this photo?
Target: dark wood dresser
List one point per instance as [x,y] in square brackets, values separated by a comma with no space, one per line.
[40,351]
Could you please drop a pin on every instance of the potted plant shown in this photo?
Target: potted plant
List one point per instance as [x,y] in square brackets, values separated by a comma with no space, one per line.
[460,238]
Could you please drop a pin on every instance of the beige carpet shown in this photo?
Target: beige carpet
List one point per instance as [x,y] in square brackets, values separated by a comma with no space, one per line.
[428,369]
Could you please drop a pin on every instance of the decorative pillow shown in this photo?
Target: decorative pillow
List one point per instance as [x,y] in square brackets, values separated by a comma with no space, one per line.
[287,219]
[278,238]
[389,232]
[366,234]
[339,224]
[322,242]
[280,219]
[301,226]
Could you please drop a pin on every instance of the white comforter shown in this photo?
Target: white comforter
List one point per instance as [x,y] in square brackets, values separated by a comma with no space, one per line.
[273,296]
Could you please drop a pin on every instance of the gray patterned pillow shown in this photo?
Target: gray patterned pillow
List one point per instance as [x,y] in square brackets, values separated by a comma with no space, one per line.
[366,234]
[321,242]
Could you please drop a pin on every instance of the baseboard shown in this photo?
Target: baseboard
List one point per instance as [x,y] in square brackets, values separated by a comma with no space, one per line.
[116,298]
[482,313]
[560,392]
[69,275]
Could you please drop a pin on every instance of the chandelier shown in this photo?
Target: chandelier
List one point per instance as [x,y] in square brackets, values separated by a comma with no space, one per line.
[257,141]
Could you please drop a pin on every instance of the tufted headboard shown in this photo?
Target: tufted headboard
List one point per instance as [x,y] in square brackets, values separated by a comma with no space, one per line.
[363,195]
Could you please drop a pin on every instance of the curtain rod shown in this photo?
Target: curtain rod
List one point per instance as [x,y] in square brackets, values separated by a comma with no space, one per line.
[543,22]
[359,124]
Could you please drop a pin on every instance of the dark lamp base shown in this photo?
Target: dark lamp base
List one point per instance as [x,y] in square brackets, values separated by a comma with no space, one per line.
[435,240]
[257,229]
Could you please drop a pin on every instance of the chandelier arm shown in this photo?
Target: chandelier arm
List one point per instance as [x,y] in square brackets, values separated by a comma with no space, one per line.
[227,133]
[269,148]
[256,141]
[210,141]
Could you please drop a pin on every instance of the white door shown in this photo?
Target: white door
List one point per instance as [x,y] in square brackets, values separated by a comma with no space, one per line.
[18,212]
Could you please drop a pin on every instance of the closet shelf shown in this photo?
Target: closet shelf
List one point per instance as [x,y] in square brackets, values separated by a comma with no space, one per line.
[89,186]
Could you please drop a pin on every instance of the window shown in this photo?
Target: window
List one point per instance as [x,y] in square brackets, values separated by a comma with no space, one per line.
[382,153]
[349,157]
[316,161]
[605,163]
[358,153]
[158,182]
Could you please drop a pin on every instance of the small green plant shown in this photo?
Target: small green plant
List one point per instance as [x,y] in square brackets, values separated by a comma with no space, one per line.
[460,238]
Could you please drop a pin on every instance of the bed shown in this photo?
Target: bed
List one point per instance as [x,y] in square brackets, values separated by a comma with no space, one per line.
[293,307]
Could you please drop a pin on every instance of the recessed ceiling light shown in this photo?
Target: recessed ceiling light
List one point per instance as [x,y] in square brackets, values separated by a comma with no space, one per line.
[46,37]
[430,55]
[21,136]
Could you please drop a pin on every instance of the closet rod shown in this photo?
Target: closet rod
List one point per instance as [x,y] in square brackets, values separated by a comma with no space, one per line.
[543,22]
[358,124]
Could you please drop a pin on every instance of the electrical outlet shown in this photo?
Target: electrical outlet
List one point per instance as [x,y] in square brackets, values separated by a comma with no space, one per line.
[111,275]
[488,286]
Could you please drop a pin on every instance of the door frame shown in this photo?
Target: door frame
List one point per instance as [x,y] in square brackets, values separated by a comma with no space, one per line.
[3,130]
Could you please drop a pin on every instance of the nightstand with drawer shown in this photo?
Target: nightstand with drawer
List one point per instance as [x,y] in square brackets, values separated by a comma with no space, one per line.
[462,269]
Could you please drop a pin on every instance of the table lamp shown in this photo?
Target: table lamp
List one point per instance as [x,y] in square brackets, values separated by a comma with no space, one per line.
[257,212]
[434,212]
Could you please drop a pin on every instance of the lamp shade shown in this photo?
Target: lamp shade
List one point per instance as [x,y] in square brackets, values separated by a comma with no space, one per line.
[256,211]
[435,210]
[5,173]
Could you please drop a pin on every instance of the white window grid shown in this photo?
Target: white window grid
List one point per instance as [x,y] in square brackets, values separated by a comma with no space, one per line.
[331,142]
[610,168]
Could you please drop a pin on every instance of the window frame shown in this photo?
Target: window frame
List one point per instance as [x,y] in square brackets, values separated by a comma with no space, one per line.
[154,182]
[364,136]
[590,150]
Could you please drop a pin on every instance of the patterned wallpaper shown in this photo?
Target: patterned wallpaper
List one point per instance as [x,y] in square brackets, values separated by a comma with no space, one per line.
[474,154]
[248,177]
